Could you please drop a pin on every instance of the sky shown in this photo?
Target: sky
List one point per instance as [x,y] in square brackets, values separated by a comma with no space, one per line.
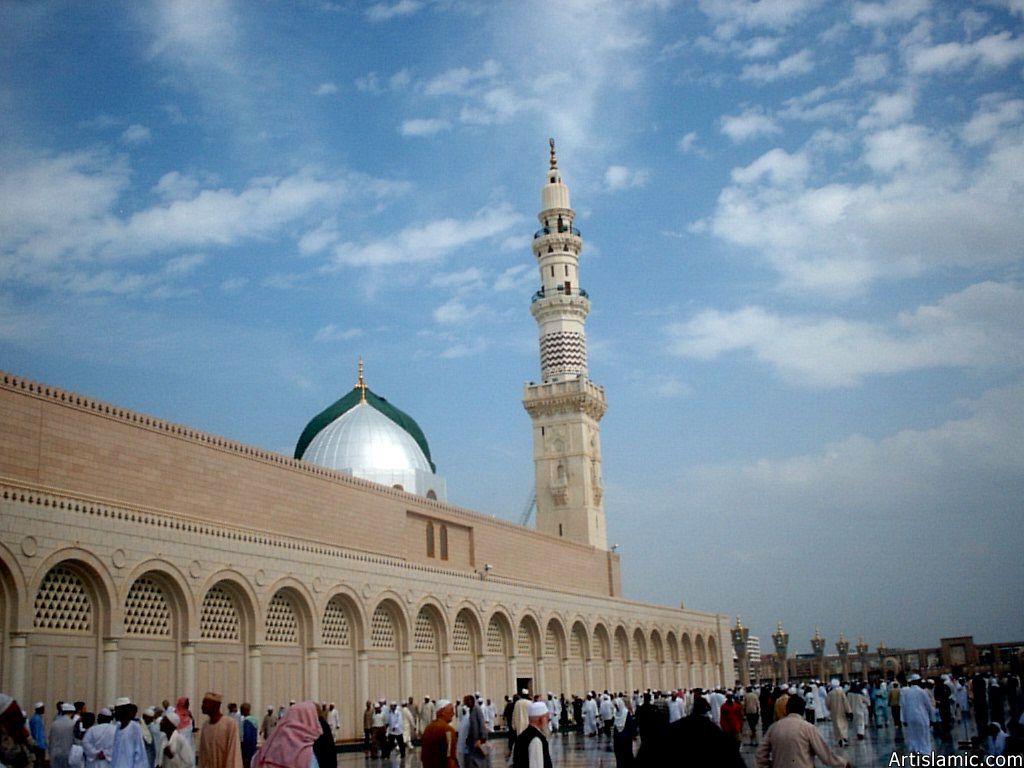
[803,243]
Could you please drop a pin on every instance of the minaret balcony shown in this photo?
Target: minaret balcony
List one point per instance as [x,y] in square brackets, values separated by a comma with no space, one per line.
[559,293]
[563,230]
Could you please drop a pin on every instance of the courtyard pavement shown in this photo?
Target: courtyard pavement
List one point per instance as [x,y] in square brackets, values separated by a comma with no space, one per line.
[571,751]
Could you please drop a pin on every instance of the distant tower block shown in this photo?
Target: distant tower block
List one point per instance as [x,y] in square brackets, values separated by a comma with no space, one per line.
[566,407]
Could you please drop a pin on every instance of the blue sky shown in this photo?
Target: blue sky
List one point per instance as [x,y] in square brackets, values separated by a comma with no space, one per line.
[803,245]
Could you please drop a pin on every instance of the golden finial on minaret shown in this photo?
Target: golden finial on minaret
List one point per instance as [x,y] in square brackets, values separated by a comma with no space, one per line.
[554,160]
[361,384]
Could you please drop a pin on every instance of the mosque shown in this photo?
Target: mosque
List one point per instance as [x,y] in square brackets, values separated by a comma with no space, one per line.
[145,558]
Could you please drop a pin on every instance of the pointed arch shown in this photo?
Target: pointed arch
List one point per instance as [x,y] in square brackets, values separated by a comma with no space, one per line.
[227,626]
[429,644]
[499,650]
[342,635]
[389,638]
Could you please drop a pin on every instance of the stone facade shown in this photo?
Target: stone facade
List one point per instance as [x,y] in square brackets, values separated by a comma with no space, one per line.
[143,558]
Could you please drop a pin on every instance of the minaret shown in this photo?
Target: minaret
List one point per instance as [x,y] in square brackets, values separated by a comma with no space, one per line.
[566,406]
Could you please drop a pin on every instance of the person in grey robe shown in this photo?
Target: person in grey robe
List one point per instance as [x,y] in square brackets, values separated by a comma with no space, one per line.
[62,736]
[476,735]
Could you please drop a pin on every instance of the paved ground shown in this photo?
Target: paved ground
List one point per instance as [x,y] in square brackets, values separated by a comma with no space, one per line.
[570,751]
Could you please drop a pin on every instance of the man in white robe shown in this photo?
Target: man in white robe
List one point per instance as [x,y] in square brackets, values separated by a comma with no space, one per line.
[716,699]
[607,713]
[917,713]
[590,716]
[554,712]
[98,742]
[129,746]
[675,708]
[821,711]
[177,751]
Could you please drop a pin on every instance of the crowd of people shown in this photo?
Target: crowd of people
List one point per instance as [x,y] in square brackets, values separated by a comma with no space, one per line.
[649,728]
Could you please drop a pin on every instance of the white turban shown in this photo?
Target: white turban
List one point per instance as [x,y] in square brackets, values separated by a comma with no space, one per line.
[172,717]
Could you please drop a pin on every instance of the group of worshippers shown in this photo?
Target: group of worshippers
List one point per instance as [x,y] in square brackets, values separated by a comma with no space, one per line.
[165,737]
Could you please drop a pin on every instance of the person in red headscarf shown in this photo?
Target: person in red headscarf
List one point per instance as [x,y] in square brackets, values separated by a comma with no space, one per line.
[291,743]
[185,727]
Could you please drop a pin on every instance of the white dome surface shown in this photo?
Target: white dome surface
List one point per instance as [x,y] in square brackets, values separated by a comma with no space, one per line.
[364,441]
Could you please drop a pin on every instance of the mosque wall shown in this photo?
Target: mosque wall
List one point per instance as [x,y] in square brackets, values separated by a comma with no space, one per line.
[62,440]
[107,591]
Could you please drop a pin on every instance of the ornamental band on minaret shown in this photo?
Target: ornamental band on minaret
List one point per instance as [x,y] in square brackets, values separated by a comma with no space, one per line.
[566,406]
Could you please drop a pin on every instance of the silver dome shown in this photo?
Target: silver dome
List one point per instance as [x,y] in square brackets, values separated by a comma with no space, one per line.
[365,442]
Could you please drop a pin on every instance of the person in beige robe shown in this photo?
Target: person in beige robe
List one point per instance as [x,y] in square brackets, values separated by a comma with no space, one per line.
[841,711]
[220,745]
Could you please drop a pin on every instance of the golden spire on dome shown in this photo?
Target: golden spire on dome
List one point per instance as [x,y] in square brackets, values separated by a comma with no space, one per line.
[361,384]
[554,160]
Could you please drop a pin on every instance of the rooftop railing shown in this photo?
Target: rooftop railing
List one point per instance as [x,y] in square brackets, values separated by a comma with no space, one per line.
[560,230]
[542,294]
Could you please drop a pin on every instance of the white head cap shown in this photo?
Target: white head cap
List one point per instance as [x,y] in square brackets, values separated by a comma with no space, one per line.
[537,709]
[66,707]
[914,676]
[172,717]
[442,703]
[123,701]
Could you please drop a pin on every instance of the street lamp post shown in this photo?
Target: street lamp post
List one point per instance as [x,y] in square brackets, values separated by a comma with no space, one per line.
[781,641]
[740,634]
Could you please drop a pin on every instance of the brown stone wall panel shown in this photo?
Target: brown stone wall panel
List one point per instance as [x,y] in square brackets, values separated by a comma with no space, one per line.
[19,446]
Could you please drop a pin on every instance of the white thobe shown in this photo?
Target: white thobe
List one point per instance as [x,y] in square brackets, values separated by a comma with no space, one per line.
[129,749]
[182,755]
[488,712]
[589,717]
[917,712]
[821,711]
[334,720]
[716,700]
[99,738]
[675,710]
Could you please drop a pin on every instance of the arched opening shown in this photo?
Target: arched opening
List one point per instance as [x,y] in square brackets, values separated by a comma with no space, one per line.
[620,661]
[700,659]
[385,651]
[554,657]
[427,649]
[711,675]
[287,633]
[339,628]
[601,651]
[657,665]
[8,612]
[527,651]
[674,679]
[70,613]
[465,647]
[686,648]
[579,654]
[638,659]
[499,651]
[155,624]
[226,629]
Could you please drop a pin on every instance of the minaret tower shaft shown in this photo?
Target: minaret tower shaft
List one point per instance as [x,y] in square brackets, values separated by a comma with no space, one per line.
[566,407]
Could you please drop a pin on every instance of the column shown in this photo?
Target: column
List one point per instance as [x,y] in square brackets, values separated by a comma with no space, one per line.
[677,675]
[188,670]
[481,678]
[692,681]
[566,682]
[363,677]
[630,687]
[109,670]
[540,684]
[512,673]
[609,680]
[19,670]
[446,677]
[313,673]
[255,655]
[406,676]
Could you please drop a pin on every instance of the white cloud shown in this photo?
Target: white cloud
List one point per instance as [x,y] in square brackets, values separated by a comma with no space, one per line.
[184,265]
[463,279]
[996,51]
[976,328]
[175,186]
[619,177]
[517,278]
[424,127]
[136,134]
[455,312]
[331,333]
[748,125]
[996,113]
[870,67]
[688,143]
[326,89]
[780,167]
[922,207]
[457,81]
[758,47]
[889,109]
[731,16]
[887,13]
[388,11]
[428,242]
[800,63]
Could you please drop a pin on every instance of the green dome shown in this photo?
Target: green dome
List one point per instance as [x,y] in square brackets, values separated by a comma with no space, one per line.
[350,401]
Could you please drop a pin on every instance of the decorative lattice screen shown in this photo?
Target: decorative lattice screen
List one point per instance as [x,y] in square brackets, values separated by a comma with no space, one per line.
[495,638]
[62,602]
[335,629]
[146,612]
[424,636]
[382,630]
[218,619]
[282,626]
[460,636]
